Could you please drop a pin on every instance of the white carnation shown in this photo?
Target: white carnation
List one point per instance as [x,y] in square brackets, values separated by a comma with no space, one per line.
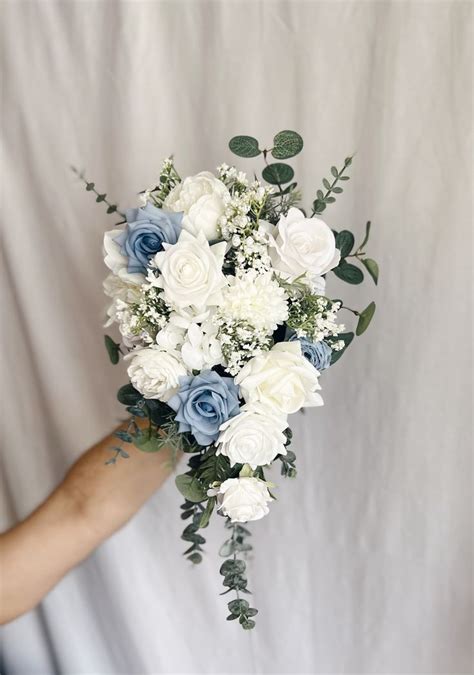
[191,271]
[256,299]
[202,199]
[156,372]
[243,499]
[254,436]
[281,378]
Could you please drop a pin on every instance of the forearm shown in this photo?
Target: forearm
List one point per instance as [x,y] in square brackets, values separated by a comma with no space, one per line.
[92,502]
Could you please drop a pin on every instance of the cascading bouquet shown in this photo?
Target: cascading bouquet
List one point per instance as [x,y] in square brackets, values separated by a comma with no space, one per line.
[218,286]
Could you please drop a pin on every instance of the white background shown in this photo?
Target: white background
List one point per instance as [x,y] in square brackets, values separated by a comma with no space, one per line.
[364,565]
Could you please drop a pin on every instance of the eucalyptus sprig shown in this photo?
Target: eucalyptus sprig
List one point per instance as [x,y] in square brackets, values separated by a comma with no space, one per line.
[332,188]
[100,197]
[190,533]
[234,572]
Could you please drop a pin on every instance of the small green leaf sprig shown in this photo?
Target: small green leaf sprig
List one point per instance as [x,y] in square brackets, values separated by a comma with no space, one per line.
[234,572]
[332,188]
[168,179]
[100,197]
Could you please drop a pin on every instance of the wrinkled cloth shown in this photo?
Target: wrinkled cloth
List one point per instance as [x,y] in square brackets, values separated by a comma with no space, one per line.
[363,565]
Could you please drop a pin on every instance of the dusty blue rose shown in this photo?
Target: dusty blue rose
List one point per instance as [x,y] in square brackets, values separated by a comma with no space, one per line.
[147,228]
[317,353]
[203,403]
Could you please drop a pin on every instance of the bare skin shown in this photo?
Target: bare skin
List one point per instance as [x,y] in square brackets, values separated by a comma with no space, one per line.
[92,502]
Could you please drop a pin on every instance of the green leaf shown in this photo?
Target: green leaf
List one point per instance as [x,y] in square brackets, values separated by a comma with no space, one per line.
[367,235]
[372,268]
[128,395]
[159,411]
[113,349]
[347,338]
[349,273]
[247,624]
[365,318]
[238,606]
[287,144]
[112,208]
[101,198]
[190,488]
[206,514]
[244,146]
[334,171]
[90,186]
[278,173]
[195,558]
[147,441]
[345,242]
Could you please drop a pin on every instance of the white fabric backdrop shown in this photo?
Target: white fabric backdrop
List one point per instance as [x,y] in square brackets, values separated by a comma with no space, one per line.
[364,564]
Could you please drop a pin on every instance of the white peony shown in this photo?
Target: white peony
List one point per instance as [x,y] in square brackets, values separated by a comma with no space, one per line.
[202,199]
[301,245]
[201,350]
[115,261]
[191,271]
[243,499]
[281,378]
[156,372]
[254,436]
[255,298]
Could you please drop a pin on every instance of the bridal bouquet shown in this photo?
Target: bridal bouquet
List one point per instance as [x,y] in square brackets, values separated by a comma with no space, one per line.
[218,289]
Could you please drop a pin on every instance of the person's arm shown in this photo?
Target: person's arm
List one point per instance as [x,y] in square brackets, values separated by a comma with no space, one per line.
[92,502]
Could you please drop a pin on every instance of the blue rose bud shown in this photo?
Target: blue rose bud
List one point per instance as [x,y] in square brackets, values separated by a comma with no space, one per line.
[317,353]
[147,228]
[203,403]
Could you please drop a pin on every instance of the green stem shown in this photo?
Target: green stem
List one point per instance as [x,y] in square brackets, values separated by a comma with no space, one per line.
[92,189]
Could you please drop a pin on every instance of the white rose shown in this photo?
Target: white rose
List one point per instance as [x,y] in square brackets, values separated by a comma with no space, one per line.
[281,378]
[243,499]
[201,350]
[115,261]
[202,199]
[155,372]
[254,436]
[302,245]
[191,271]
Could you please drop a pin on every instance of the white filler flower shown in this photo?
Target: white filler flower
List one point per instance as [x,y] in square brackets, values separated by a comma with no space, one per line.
[202,199]
[256,299]
[243,499]
[281,378]
[155,372]
[303,245]
[254,436]
[191,271]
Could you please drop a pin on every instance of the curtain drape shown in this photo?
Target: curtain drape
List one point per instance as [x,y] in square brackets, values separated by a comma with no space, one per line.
[364,565]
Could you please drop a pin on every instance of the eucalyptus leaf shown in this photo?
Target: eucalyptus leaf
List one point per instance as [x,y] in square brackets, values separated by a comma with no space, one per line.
[113,349]
[206,514]
[195,558]
[146,441]
[244,146]
[128,395]
[278,173]
[372,268]
[190,488]
[345,242]
[365,318]
[367,235]
[287,144]
[347,339]
[349,273]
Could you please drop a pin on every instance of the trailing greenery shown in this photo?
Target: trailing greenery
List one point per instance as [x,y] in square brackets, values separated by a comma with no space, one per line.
[332,188]
[100,197]
[234,572]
